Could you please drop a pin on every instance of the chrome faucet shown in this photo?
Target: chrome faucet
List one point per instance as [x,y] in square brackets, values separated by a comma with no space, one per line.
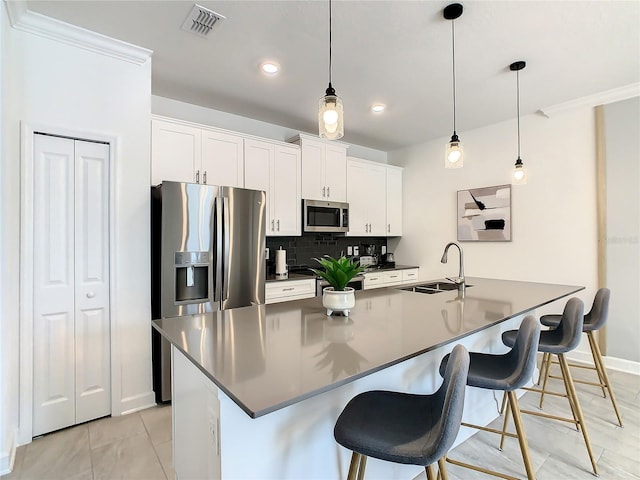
[460,279]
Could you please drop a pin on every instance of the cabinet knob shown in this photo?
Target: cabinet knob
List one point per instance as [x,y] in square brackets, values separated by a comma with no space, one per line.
[91,294]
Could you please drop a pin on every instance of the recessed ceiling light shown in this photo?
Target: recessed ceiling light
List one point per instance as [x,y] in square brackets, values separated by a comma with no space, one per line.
[378,108]
[270,68]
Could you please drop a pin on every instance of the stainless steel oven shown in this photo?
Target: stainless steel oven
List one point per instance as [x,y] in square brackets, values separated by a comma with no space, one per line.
[323,216]
[357,283]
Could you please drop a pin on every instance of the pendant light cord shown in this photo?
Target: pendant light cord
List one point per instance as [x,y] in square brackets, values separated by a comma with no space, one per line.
[453,43]
[329,42]
[518,107]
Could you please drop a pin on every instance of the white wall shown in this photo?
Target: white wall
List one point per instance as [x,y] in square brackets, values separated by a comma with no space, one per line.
[60,85]
[553,217]
[193,113]
[622,152]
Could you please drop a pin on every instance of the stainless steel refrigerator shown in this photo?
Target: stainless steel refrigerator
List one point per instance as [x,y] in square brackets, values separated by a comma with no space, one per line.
[208,254]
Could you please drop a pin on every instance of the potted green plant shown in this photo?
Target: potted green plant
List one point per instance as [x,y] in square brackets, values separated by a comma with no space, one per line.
[338,272]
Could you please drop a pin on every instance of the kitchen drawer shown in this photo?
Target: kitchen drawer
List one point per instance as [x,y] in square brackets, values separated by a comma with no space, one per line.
[373,280]
[393,277]
[409,275]
[286,290]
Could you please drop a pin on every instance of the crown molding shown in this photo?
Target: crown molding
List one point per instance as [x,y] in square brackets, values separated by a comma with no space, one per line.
[602,98]
[25,20]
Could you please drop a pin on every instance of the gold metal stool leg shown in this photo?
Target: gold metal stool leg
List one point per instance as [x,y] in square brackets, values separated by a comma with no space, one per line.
[442,469]
[353,466]
[431,475]
[522,439]
[578,411]
[602,371]
[363,464]
[547,367]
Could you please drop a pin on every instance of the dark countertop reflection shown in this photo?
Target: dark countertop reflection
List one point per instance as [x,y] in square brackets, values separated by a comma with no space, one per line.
[267,357]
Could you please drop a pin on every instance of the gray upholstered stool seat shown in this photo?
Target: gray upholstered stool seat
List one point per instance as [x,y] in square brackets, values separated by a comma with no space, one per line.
[592,322]
[506,372]
[559,341]
[402,427]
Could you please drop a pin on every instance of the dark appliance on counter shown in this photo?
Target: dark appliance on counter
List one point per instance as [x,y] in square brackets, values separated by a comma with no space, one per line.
[388,260]
[324,216]
[207,254]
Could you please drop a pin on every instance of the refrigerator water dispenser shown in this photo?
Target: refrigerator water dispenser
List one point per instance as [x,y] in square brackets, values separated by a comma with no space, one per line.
[192,277]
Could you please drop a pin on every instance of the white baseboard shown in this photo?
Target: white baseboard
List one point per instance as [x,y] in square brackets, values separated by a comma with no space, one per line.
[135,404]
[612,363]
[8,458]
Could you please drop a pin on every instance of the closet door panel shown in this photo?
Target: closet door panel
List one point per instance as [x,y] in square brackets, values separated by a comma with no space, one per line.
[92,338]
[53,284]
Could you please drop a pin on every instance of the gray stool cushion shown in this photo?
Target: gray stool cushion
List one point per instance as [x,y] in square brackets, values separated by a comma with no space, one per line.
[565,337]
[508,371]
[403,427]
[594,320]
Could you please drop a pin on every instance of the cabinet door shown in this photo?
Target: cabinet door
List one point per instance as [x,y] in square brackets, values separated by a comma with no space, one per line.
[258,158]
[175,152]
[312,170]
[376,201]
[222,159]
[335,173]
[357,198]
[394,202]
[286,191]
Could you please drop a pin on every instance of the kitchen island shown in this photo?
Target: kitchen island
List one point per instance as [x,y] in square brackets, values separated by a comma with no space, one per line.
[257,390]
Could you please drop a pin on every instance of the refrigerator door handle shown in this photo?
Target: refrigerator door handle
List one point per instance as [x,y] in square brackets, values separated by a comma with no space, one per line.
[225,246]
[217,287]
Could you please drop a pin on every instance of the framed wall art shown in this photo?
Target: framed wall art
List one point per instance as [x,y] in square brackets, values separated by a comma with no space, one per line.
[484,214]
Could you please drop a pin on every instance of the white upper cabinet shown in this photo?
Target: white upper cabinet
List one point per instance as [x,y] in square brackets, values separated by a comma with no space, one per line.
[222,159]
[367,205]
[324,169]
[375,198]
[394,201]
[276,169]
[189,153]
[175,151]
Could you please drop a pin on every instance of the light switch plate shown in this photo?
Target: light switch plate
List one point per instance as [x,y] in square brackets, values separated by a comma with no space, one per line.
[383,249]
[356,250]
[349,250]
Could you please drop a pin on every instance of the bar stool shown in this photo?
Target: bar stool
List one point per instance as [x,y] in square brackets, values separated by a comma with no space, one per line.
[505,372]
[405,428]
[593,321]
[559,341]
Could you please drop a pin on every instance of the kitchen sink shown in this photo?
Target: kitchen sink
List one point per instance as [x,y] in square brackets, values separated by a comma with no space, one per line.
[433,287]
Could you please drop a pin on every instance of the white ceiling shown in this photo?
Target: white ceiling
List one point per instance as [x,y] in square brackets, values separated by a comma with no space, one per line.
[395,52]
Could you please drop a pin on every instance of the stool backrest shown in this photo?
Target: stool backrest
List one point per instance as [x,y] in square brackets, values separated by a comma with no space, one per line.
[570,327]
[524,351]
[451,393]
[597,317]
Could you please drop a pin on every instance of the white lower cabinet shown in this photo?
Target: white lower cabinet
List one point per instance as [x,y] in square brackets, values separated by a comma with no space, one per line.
[196,443]
[286,290]
[389,278]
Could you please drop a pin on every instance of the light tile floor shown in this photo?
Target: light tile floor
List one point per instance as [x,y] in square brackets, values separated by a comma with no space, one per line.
[138,446]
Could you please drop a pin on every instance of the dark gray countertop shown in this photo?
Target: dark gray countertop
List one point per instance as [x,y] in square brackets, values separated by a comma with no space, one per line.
[268,357]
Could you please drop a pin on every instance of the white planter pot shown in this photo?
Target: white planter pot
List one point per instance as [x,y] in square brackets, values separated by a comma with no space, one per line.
[338,301]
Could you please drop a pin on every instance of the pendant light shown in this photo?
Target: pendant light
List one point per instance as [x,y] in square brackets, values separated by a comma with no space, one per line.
[453,149]
[330,113]
[519,176]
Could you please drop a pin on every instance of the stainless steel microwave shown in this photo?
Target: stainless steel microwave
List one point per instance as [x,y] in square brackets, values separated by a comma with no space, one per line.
[323,216]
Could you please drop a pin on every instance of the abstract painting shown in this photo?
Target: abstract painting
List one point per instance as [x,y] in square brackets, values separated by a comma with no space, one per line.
[484,214]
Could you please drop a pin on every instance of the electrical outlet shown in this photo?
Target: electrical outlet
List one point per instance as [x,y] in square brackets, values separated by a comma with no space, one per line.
[356,250]
[267,253]
[383,249]
[349,250]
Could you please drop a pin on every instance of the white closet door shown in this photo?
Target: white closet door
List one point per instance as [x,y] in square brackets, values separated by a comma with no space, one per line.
[53,276]
[92,340]
[71,283]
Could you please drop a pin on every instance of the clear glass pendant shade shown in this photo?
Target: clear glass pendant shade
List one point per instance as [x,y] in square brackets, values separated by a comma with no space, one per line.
[453,153]
[519,175]
[331,117]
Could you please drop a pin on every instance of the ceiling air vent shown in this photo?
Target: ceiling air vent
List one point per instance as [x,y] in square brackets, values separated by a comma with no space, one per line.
[201,20]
